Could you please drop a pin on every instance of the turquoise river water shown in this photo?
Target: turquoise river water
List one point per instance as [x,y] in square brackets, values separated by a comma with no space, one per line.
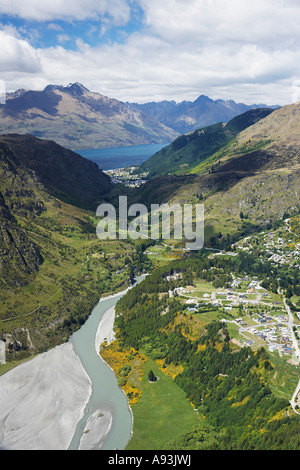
[106,394]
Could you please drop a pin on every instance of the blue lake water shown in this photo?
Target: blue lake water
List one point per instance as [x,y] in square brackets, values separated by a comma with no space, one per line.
[120,157]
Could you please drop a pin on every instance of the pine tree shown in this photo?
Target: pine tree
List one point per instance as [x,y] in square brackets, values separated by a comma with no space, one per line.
[151,376]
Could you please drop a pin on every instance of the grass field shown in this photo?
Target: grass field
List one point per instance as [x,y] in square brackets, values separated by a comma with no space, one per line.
[160,255]
[162,412]
[284,378]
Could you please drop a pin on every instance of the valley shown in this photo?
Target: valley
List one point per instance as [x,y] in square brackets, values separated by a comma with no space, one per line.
[218,328]
[53,267]
[244,283]
[150,229]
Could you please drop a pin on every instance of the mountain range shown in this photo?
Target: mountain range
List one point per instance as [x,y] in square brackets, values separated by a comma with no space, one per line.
[254,169]
[188,116]
[78,119]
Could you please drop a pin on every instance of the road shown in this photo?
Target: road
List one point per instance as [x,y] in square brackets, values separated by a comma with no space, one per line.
[294,398]
[296,348]
[290,326]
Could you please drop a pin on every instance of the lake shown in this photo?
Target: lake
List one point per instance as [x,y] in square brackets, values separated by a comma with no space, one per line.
[120,157]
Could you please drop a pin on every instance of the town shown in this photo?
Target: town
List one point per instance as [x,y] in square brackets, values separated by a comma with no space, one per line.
[260,317]
[279,247]
[128,176]
[255,316]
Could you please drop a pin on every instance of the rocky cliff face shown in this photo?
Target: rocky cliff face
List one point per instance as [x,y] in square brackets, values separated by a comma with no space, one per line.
[20,256]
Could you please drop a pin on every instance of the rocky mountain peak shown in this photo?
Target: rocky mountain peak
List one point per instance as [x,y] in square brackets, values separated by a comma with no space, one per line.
[76,89]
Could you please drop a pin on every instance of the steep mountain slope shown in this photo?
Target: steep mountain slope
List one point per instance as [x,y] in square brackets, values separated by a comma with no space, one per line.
[191,149]
[251,181]
[21,195]
[78,119]
[63,173]
[282,127]
[188,116]
[33,173]
[53,268]
[20,257]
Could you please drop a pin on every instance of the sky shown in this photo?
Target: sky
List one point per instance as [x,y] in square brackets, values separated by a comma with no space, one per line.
[154,50]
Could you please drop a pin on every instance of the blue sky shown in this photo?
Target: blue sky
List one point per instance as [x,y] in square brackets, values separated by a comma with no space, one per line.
[64,30]
[151,50]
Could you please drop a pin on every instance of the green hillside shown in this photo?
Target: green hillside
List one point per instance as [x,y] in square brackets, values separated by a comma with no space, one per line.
[191,149]
[63,173]
[249,183]
[53,268]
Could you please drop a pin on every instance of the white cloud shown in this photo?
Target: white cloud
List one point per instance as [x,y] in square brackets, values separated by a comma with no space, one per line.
[16,55]
[54,27]
[63,38]
[147,68]
[216,21]
[230,49]
[50,10]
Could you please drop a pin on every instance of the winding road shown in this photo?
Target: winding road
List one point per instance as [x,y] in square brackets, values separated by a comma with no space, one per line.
[294,399]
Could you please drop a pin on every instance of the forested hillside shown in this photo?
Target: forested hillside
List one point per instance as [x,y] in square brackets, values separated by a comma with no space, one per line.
[227,384]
